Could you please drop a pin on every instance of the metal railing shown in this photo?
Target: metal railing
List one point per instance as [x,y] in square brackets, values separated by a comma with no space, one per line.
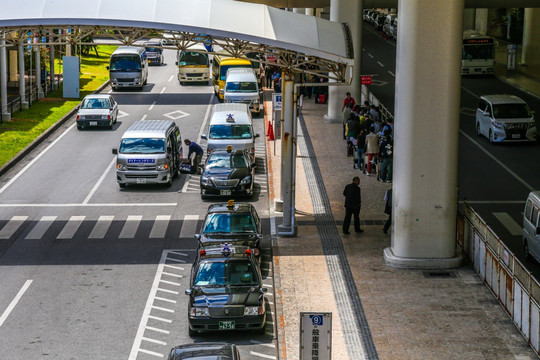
[32,94]
[383,111]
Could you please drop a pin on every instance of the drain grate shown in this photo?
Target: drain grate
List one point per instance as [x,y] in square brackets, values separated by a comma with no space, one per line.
[439,274]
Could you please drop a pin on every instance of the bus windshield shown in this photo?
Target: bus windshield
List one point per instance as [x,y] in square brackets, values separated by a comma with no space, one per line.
[142,146]
[125,63]
[473,52]
[192,58]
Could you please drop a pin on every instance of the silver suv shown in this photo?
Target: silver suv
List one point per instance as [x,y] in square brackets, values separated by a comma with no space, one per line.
[505,118]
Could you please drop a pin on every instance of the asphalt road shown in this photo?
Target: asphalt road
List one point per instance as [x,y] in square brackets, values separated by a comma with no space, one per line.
[494,178]
[92,271]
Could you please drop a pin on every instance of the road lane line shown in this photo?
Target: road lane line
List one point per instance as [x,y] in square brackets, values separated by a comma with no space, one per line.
[189,226]
[172,77]
[130,227]
[205,121]
[158,330]
[101,227]
[174,267]
[12,226]
[165,299]
[168,291]
[159,342]
[510,224]
[152,106]
[173,275]
[163,90]
[159,318]
[150,353]
[391,73]
[98,183]
[13,179]
[144,117]
[380,64]
[371,56]
[516,176]
[169,282]
[41,228]
[14,302]
[71,227]
[160,226]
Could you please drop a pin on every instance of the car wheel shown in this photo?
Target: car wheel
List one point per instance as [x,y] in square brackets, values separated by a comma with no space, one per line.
[478,132]
[122,186]
[491,136]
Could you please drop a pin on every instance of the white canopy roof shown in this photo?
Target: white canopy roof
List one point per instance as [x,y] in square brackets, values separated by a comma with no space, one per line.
[255,23]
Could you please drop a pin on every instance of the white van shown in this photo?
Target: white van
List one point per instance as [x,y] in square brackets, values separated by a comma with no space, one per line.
[241,86]
[231,124]
[531,226]
[149,153]
[505,118]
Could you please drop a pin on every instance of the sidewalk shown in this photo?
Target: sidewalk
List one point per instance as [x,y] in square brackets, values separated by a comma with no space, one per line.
[378,312]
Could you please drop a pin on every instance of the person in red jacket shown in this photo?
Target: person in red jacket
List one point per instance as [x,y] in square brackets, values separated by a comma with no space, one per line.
[348,102]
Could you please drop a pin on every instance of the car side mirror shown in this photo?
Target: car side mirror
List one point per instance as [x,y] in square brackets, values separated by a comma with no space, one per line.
[176,63]
[203,136]
[197,236]
[115,151]
[257,135]
[188,291]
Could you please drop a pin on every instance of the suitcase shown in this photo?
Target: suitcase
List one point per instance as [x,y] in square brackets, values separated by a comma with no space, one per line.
[322,99]
[185,168]
[350,149]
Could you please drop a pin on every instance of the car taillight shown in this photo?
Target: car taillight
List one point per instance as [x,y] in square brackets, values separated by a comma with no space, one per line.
[77,117]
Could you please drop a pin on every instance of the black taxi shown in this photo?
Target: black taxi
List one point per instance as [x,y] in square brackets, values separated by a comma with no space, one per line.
[227,173]
[226,291]
[234,223]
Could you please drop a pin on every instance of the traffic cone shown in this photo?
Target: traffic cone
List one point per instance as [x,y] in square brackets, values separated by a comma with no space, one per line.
[270,133]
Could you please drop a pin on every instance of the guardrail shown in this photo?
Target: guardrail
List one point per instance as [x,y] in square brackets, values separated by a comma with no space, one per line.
[32,95]
[368,95]
[513,285]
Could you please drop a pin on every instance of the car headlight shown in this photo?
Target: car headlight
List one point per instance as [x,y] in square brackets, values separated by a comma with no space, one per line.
[137,80]
[121,167]
[532,125]
[498,125]
[256,101]
[199,311]
[80,117]
[205,180]
[105,117]
[162,167]
[246,180]
[253,310]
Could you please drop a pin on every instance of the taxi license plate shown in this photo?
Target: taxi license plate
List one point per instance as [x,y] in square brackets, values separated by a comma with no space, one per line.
[94,123]
[226,325]
[225,192]
[141,181]
[516,136]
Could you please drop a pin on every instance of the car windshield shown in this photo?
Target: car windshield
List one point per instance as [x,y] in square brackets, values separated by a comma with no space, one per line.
[95,104]
[239,87]
[230,132]
[233,273]
[153,49]
[226,161]
[223,70]
[125,63]
[228,223]
[142,146]
[511,111]
[192,58]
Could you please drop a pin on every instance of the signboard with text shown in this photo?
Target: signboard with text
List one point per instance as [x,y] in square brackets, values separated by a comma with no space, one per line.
[367,79]
[315,336]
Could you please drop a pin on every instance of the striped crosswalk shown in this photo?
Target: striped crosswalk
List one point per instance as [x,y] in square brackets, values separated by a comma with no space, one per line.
[70,229]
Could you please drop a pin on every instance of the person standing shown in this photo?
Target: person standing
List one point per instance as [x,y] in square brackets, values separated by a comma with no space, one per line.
[353,201]
[360,147]
[194,148]
[388,210]
[387,155]
[372,149]
[268,72]
[348,102]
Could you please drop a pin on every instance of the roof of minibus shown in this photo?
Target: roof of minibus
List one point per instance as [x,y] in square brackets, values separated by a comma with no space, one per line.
[535,195]
[226,60]
[148,129]
[239,112]
[128,50]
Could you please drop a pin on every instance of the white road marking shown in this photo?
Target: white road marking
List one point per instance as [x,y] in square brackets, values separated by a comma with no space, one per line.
[516,176]
[154,341]
[152,106]
[163,90]
[121,114]
[158,330]
[470,92]
[174,267]
[205,121]
[169,282]
[510,224]
[41,227]
[14,302]
[391,73]
[130,227]
[159,318]
[13,179]
[12,226]
[100,180]
[263,344]
[150,353]
[160,226]
[71,227]
[89,205]
[101,227]
[166,300]
[264,356]
[371,56]
[169,291]
[186,184]
[380,63]
[173,275]
[172,77]
[144,117]
[189,226]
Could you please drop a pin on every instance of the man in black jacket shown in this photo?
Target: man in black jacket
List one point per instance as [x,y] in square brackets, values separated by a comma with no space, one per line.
[353,200]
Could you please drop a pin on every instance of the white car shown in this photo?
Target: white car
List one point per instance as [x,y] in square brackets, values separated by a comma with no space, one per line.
[505,118]
[97,110]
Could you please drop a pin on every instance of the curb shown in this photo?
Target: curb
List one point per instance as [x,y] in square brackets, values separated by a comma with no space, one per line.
[21,154]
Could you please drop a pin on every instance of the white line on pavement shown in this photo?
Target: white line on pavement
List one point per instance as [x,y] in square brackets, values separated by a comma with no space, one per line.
[152,106]
[100,180]
[262,355]
[371,56]
[14,301]
[35,159]
[391,73]
[380,63]
[510,224]
[163,90]
[144,117]
[170,79]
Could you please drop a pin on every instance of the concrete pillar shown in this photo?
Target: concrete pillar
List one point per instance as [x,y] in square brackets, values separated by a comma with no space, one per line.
[22,87]
[530,53]
[3,79]
[469,19]
[481,21]
[38,73]
[426,135]
[288,155]
[310,11]
[349,11]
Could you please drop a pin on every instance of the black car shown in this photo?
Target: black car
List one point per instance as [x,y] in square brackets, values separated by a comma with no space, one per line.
[226,291]
[227,173]
[233,223]
[210,351]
